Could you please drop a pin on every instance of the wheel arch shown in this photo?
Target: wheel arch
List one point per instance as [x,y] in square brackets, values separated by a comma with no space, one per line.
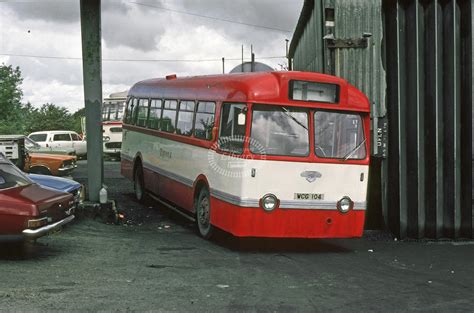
[34,169]
[199,183]
[137,160]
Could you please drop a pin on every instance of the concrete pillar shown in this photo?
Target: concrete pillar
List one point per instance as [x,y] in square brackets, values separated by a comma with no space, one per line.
[92,71]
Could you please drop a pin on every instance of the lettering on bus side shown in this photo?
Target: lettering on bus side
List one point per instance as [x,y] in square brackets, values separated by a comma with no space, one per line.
[165,154]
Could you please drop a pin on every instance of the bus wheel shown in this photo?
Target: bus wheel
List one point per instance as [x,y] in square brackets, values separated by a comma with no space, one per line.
[138,184]
[203,214]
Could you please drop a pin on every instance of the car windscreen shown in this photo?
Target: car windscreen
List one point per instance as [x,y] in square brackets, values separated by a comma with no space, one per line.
[31,144]
[38,137]
[10,177]
[279,130]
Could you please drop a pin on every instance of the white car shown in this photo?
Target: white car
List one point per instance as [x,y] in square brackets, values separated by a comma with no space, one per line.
[60,139]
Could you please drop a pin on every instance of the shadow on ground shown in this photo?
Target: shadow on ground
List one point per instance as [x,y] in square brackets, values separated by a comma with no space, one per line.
[26,251]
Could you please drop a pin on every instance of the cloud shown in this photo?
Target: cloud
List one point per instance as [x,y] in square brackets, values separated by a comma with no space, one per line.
[136,29]
[131,31]
[55,11]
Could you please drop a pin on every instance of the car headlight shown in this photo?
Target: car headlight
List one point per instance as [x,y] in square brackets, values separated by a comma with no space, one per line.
[345,204]
[106,138]
[269,202]
[36,223]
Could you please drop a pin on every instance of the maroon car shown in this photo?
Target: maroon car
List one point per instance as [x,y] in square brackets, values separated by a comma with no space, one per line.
[27,210]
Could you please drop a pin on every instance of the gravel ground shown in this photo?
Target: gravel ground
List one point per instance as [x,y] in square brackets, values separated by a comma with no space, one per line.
[156,262]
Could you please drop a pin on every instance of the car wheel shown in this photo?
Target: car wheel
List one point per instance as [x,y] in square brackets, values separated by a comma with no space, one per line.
[203,214]
[138,183]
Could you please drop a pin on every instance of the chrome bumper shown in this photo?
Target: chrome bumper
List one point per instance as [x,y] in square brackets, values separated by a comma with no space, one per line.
[67,168]
[42,231]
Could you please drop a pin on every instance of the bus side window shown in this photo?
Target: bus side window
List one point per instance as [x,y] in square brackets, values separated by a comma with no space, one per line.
[232,135]
[112,112]
[142,112]
[134,112]
[104,113]
[120,111]
[204,121]
[185,118]
[168,122]
[128,111]
[154,119]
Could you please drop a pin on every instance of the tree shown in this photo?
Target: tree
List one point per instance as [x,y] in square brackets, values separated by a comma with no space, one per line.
[77,117]
[50,117]
[10,100]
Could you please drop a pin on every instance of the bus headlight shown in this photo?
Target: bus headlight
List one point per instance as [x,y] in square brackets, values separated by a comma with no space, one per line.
[345,204]
[269,202]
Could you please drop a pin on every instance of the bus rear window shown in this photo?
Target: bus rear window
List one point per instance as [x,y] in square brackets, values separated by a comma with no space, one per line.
[313,91]
[115,129]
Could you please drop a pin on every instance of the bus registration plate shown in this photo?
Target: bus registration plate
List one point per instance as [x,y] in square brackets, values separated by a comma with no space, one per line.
[309,196]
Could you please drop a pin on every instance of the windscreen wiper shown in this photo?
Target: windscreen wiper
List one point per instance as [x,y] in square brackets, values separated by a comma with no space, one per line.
[347,156]
[287,113]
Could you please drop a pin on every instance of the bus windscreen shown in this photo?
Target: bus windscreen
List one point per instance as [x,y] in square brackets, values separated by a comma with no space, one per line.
[279,130]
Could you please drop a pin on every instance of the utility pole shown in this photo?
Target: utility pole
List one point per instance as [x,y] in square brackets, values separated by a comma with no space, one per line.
[287,55]
[223,65]
[92,73]
[242,64]
[252,59]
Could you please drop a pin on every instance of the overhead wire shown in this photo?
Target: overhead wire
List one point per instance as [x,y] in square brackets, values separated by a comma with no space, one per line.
[211,17]
[136,60]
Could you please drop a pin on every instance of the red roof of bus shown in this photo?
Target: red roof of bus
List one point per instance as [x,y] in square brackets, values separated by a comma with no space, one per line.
[259,87]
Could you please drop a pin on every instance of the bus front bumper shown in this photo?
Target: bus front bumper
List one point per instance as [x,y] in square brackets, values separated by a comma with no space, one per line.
[286,223]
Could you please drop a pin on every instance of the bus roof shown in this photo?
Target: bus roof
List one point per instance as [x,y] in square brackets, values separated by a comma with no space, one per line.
[257,87]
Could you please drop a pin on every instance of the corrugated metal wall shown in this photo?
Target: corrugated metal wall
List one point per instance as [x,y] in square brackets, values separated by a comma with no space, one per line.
[362,67]
[423,187]
[310,52]
[429,100]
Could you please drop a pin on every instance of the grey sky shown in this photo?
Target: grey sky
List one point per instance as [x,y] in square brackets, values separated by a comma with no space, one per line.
[138,29]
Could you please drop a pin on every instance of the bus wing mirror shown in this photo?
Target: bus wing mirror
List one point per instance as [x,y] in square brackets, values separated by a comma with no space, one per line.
[241,119]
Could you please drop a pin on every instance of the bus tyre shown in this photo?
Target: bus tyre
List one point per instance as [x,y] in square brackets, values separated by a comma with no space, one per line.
[203,214]
[138,184]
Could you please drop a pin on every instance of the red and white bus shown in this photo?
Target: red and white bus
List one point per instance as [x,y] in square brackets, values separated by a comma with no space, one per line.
[113,109]
[279,154]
